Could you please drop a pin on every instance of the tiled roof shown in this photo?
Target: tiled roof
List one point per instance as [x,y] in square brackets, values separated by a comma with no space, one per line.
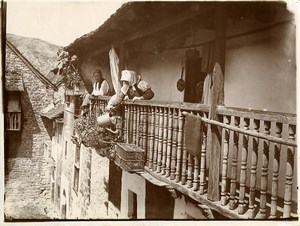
[55,112]
[13,81]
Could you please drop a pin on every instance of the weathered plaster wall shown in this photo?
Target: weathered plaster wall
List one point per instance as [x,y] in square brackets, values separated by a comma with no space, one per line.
[27,182]
[99,186]
[260,70]
[136,184]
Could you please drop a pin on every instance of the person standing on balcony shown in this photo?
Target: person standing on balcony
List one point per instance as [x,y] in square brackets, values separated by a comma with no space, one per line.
[100,88]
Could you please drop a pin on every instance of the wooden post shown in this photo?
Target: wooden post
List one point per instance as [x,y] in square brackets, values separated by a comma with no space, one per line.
[214,137]
[217,98]
[220,45]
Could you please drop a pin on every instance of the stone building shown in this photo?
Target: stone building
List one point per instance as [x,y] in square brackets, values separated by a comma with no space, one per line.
[27,169]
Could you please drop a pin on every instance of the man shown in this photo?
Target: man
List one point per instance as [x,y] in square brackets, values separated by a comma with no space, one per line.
[100,88]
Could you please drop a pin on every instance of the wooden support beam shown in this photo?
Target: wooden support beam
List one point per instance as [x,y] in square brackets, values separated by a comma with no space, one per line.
[220,44]
[217,98]
[214,138]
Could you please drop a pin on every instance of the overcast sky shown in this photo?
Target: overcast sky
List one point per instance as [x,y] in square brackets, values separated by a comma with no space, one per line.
[58,22]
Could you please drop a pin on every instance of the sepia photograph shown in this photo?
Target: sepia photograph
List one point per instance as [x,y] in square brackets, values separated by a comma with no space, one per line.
[149,110]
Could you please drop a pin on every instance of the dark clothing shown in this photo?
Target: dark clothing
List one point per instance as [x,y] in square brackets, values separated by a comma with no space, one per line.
[147,95]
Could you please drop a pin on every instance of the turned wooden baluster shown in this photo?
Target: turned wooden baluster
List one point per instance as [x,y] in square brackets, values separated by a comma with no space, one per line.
[130,124]
[134,126]
[179,145]
[254,159]
[145,117]
[190,171]
[232,203]
[165,136]
[169,142]
[160,137]
[196,171]
[226,120]
[289,174]
[139,126]
[184,163]
[203,158]
[125,124]
[156,131]
[243,174]
[264,172]
[151,137]
[174,144]
[276,165]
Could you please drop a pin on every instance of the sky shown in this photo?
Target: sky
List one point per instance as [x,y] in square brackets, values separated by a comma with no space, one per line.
[58,22]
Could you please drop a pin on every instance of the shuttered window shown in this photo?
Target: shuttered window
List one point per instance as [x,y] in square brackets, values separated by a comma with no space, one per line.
[13,114]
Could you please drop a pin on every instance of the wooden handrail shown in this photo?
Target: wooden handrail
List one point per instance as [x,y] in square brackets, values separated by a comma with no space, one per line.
[286,118]
[250,133]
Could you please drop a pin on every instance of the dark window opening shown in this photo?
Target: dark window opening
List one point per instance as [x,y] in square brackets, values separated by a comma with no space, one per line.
[66,148]
[13,112]
[132,205]
[76,179]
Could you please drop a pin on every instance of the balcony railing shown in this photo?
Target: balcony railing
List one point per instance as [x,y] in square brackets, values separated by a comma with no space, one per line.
[257,159]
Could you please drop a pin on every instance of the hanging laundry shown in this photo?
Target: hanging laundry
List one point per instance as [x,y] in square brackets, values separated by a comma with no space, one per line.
[114,69]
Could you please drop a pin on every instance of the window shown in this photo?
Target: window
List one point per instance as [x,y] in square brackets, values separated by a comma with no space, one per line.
[66,148]
[77,155]
[13,116]
[132,205]
[76,179]
[76,169]
[67,99]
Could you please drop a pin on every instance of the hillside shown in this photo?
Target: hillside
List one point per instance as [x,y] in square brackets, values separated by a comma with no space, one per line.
[41,54]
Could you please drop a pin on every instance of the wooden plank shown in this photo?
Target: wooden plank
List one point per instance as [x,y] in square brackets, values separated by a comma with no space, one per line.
[197,197]
[286,118]
[214,138]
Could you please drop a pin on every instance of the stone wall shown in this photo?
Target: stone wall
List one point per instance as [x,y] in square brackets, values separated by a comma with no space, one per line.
[27,179]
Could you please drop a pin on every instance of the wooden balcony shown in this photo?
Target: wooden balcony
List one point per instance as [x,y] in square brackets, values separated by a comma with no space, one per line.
[258,148]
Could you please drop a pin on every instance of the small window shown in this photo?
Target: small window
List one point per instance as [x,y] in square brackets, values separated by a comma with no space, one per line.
[13,116]
[77,155]
[66,148]
[132,205]
[76,179]
[67,99]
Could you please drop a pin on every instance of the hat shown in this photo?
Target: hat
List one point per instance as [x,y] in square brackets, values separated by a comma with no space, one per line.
[128,76]
[97,71]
